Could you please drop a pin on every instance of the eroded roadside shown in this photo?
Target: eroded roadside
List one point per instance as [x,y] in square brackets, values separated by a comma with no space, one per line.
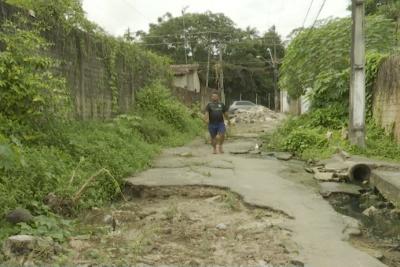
[185,226]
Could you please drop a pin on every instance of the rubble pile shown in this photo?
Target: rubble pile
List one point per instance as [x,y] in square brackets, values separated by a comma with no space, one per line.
[254,115]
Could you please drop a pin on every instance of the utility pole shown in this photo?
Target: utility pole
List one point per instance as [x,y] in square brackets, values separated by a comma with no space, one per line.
[208,60]
[221,74]
[184,32]
[277,96]
[275,77]
[357,83]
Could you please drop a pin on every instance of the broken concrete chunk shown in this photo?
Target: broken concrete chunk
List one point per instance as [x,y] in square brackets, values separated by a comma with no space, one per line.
[336,167]
[221,226]
[240,152]
[213,199]
[323,176]
[352,228]
[186,155]
[371,211]
[309,170]
[328,188]
[284,156]
[19,245]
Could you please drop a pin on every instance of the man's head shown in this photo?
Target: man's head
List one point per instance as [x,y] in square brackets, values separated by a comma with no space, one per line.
[214,96]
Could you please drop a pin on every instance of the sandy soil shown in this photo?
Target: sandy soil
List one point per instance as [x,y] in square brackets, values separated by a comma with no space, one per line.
[192,226]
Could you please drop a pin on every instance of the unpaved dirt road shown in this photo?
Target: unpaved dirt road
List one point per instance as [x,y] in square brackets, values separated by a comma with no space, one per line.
[319,233]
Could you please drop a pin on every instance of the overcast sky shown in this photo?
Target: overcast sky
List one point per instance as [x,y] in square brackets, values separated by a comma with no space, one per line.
[115,16]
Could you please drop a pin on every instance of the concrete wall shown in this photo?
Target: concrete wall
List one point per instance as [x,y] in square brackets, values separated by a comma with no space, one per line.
[190,81]
[85,63]
[292,106]
[386,96]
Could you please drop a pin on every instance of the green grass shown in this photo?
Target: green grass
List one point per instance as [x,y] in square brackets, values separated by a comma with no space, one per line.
[306,137]
[61,156]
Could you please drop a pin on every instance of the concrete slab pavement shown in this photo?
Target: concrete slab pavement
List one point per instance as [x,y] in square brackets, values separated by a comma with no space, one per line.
[319,231]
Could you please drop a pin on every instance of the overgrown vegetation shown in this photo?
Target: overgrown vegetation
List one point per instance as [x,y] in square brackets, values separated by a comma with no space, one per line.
[81,163]
[319,59]
[320,134]
[317,64]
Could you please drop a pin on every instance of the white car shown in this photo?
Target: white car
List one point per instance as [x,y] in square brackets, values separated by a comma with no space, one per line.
[243,105]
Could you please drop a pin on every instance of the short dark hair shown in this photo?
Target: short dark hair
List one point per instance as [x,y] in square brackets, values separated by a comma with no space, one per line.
[214,92]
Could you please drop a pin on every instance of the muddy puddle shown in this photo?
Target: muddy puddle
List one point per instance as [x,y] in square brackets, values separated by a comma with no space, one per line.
[380,224]
[184,226]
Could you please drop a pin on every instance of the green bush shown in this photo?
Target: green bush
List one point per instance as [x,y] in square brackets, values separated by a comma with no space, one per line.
[158,101]
[306,136]
[330,117]
[28,88]
[302,139]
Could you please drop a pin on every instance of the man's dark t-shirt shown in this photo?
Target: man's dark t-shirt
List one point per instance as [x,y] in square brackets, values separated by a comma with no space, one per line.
[216,112]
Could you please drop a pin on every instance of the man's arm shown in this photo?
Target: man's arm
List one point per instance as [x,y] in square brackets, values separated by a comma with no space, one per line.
[207,117]
[207,114]
[226,115]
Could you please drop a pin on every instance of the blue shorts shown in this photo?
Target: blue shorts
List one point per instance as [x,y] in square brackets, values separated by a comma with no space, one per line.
[216,129]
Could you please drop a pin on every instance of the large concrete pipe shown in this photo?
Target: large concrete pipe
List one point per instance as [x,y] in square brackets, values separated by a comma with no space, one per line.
[359,172]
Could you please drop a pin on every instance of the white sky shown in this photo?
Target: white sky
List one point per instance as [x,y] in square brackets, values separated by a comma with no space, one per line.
[115,16]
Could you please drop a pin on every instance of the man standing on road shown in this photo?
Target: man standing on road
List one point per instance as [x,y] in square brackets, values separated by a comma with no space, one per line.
[215,113]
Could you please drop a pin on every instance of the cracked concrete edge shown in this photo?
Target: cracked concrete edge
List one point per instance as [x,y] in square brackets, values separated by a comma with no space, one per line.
[248,202]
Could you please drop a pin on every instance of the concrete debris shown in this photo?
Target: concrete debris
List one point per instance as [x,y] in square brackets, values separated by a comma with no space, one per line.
[371,211]
[309,170]
[214,199]
[352,228]
[255,152]
[19,245]
[284,156]
[323,176]
[254,115]
[221,226]
[186,155]
[329,188]
[240,152]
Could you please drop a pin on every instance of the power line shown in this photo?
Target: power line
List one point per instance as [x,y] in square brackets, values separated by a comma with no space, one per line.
[308,12]
[319,13]
[206,33]
[137,11]
[260,41]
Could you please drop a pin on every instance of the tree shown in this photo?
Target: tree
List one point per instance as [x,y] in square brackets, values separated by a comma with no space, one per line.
[245,73]
[319,58]
[58,13]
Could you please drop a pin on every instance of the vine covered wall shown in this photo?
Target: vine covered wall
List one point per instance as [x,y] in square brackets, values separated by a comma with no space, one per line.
[103,73]
[386,100]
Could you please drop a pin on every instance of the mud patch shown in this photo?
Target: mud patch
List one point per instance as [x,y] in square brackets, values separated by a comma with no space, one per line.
[380,224]
[189,226]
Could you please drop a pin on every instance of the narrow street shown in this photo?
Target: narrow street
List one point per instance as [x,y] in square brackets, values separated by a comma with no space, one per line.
[188,133]
[320,233]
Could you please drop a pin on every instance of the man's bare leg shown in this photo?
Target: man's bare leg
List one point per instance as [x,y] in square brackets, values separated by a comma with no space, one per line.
[221,140]
[214,145]
[220,143]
